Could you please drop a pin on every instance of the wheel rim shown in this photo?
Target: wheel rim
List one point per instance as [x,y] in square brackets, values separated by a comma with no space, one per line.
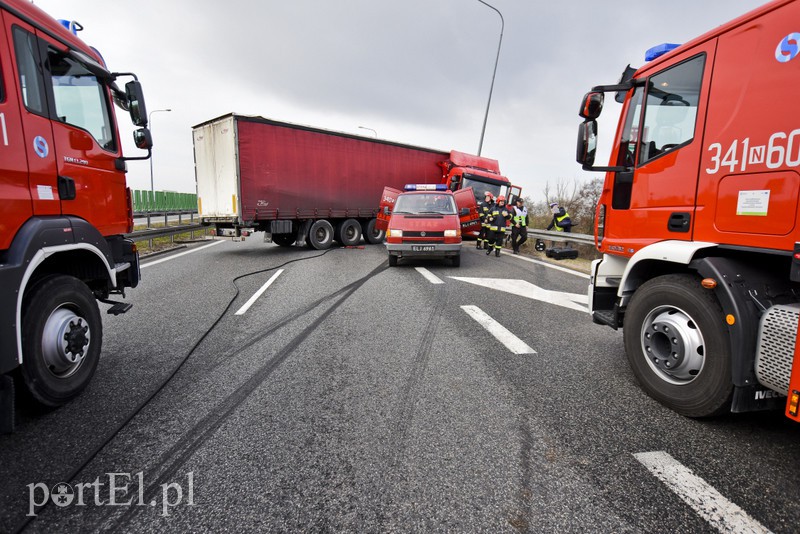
[350,232]
[321,235]
[673,345]
[65,341]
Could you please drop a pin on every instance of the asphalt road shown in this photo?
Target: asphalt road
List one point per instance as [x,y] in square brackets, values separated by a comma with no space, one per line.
[351,396]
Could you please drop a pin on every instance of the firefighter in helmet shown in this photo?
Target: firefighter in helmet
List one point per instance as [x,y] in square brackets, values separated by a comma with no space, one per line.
[484,208]
[498,217]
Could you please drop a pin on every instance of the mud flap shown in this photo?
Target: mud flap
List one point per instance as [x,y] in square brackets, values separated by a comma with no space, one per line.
[6,404]
[756,399]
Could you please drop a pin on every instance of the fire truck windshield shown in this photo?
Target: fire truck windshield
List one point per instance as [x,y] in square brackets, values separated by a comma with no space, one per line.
[479,187]
[424,203]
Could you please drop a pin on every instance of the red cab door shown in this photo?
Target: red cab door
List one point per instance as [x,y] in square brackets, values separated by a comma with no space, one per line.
[470,221]
[388,198]
[86,142]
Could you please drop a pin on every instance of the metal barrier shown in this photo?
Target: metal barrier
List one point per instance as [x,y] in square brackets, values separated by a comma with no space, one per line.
[547,235]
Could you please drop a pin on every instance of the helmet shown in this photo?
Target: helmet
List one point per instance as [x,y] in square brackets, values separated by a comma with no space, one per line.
[519,199]
[488,194]
[553,204]
[501,198]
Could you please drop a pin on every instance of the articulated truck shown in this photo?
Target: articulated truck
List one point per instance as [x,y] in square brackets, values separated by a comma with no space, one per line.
[309,185]
[698,221]
[64,205]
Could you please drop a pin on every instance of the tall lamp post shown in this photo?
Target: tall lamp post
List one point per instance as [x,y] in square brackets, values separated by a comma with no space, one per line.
[491,88]
[152,189]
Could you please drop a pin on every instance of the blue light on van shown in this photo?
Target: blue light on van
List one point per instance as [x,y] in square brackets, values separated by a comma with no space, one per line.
[659,50]
[425,187]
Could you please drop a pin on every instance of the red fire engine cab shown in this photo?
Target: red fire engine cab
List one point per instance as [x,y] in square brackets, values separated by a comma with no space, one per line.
[698,220]
[64,204]
[423,221]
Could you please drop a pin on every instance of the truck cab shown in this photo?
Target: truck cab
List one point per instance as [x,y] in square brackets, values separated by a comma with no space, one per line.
[424,222]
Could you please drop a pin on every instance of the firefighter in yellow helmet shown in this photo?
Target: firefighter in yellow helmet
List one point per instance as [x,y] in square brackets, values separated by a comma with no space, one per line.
[498,217]
[484,208]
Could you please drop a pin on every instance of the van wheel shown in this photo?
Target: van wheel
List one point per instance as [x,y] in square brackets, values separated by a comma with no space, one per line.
[372,235]
[392,261]
[348,233]
[62,334]
[320,235]
[677,345]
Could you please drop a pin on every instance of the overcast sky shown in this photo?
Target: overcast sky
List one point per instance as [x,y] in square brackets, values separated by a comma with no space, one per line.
[416,71]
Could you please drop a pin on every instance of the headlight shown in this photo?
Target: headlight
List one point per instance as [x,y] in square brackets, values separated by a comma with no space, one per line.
[450,233]
[394,233]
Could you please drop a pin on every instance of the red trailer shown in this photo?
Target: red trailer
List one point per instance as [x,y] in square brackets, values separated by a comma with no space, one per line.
[299,183]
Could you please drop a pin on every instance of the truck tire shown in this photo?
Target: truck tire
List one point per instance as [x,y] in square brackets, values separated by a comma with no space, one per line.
[320,235]
[348,233]
[456,260]
[62,335]
[678,347]
[372,235]
[284,240]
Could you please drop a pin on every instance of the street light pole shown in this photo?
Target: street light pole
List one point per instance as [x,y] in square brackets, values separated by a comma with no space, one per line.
[370,129]
[152,188]
[497,59]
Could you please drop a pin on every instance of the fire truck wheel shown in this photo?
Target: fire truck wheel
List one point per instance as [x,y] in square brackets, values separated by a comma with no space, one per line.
[283,240]
[678,347]
[348,233]
[392,261]
[456,261]
[320,235]
[61,338]
[372,235]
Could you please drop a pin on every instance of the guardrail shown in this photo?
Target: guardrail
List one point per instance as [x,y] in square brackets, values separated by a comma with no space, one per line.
[152,233]
[547,235]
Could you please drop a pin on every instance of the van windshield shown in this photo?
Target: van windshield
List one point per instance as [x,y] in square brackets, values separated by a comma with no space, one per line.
[424,203]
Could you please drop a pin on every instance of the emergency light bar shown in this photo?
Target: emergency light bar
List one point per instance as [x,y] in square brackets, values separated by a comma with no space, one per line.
[425,187]
[72,25]
[659,50]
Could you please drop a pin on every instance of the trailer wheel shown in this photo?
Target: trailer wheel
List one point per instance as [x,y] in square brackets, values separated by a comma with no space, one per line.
[61,338]
[677,345]
[372,235]
[348,232]
[320,235]
[392,261]
[284,240]
[456,260]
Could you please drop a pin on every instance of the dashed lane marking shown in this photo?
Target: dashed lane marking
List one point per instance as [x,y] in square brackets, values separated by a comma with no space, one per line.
[697,493]
[523,288]
[500,332]
[258,293]
[432,278]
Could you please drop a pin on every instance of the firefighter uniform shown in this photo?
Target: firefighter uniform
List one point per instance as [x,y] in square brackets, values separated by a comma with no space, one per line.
[484,208]
[498,217]
[519,225]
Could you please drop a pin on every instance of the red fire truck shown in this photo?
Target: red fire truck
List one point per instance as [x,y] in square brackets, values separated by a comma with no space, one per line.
[305,184]
[64,204]
[698,221]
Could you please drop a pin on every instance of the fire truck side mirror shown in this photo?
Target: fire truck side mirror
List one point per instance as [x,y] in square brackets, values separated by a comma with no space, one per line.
[587,143]
[143,139]
[135,95]
[592,106]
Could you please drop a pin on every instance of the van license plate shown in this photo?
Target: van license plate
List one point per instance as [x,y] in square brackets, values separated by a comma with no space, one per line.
[423,249]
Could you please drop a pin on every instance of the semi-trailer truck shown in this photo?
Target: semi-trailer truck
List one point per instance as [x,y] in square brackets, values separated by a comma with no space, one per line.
[698,220]
[64,205]
[303,184]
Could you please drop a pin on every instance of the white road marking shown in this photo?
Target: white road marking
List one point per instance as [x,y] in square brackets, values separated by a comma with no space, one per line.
[162,260]
[548,265]
[523,288]
[697,493]
[512,342]
[258,293]
[432,278]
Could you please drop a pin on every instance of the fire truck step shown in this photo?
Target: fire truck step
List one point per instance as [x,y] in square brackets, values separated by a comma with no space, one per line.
[117,308]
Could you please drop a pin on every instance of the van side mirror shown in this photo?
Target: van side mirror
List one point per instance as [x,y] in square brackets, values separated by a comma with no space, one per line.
[592,106]
[386,210]
[135,96]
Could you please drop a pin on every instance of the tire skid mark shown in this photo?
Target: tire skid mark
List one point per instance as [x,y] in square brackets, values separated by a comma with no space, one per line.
[171,460]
